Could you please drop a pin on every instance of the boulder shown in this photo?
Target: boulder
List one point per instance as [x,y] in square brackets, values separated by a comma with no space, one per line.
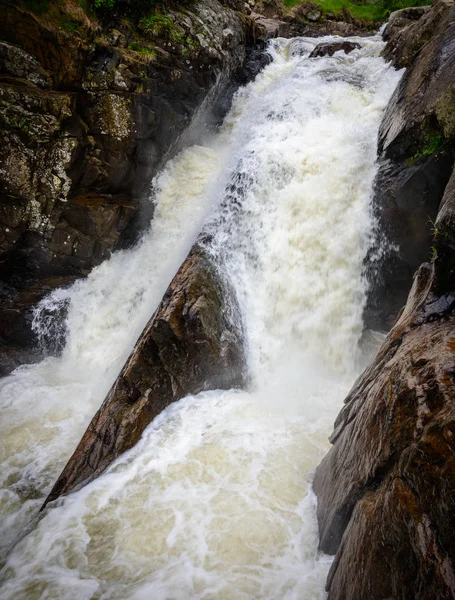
[386,490]
[329,48]
[192,343]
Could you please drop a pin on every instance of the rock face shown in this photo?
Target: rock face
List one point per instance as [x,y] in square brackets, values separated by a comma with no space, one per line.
[386,489]
[416,142]
[192,343]
[329,48]
[90,108]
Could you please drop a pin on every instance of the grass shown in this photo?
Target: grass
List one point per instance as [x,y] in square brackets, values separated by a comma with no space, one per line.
[373,12]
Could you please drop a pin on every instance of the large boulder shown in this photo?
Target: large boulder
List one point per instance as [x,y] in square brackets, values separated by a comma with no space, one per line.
[386,490]
[192,343]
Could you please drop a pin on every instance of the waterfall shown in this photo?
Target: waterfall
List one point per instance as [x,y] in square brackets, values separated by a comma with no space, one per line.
[215,501]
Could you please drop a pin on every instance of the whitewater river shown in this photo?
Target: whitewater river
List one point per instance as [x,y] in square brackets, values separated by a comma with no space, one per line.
[215,501]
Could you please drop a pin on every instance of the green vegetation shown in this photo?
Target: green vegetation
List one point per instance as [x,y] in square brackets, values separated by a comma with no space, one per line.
[142,49]
[107,4]
[372,12]
[69,26]
[156,25]
[432,144]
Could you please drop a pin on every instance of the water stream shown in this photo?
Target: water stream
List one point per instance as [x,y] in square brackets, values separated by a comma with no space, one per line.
[215,501]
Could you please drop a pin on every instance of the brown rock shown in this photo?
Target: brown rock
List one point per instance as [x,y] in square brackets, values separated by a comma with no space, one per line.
[193,342]
[329,48]
[386,490]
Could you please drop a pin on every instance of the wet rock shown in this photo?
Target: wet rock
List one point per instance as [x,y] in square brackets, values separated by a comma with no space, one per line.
[400,19]
[416,142]
[329,48]
[386,490]
[192,343]
[406,200]
[419,109]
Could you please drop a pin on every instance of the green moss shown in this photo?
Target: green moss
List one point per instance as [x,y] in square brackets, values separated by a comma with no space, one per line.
[142,49]
[431,145]
[69,26]
[15,122]
[156,25]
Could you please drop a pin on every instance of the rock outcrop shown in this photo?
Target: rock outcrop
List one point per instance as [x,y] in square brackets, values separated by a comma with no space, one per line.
[192,343]
[416,146]
[329,48]
[386,489]
[90,108]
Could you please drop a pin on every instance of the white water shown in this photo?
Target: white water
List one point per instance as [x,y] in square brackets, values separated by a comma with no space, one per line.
[214,502]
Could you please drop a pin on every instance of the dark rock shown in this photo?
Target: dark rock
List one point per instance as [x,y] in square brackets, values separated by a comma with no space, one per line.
[192,343]
[16,62]
[416,141]
[409,30]
[400,19]
[405,204]
[329,48]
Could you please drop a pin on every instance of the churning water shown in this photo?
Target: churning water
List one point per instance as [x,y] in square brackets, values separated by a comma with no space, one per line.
[215,501]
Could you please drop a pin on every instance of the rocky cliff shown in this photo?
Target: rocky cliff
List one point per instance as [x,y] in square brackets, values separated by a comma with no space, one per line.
[386,490]
[91,104]
[416,150]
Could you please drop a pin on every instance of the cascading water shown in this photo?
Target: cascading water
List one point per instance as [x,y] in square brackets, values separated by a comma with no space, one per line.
[214,501]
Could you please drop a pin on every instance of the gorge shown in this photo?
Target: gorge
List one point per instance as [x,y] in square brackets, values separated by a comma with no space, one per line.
[247,292]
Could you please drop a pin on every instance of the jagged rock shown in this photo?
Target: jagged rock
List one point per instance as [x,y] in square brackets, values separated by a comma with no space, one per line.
[421,105]
[329,48]
[193,342]
[14,61]
[400,19]
[409,30]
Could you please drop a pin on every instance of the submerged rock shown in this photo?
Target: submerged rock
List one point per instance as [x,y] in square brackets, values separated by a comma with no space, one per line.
[192,343]
[329,48]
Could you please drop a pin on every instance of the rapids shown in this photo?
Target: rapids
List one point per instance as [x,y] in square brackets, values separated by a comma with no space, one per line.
[215,501]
